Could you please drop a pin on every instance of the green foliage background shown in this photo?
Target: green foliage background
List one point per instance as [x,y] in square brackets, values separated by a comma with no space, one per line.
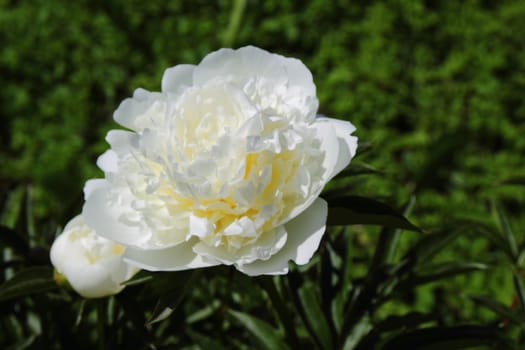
[435,89]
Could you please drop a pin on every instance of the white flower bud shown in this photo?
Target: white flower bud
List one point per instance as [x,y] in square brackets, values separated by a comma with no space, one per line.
[92,265]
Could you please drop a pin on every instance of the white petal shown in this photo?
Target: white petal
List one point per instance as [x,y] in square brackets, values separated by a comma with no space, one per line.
[347,143]
[240,65]
[131,108]
[104,218]
[61,250]
[200,227]
[347,148]
[179,257]
[299,75]
[122,141]
[94,280]
[90,186]
[108,161]
[336,142]
[306,231]
[264,248]
[329,145]
[176,79]
[304,235]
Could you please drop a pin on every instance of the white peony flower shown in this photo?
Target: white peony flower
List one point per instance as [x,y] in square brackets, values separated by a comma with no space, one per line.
[224,166]
[92,265]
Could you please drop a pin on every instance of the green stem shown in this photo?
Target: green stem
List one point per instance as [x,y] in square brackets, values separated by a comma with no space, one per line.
[369,294]
[234,23]
[281,309]
[294,282]
[101,323]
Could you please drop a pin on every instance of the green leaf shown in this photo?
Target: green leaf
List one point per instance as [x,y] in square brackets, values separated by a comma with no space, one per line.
[406,321]
[204,312]
[521,254]
[365,297]
[281,308]
[356,210]
[358,332]
[520,291]
[429,245]
[495,238]
[25,343]
[450,338]
[203,341]
[171,287]
[162,311]
[434,272]
[388,240]
[295,284]
[102,321]
[234,23]
[314,315]
[499,308]
[80,312]
[327,280]
[507,233]
[141,277]
[268,337]
[393,323]
[29,281]
[355,169]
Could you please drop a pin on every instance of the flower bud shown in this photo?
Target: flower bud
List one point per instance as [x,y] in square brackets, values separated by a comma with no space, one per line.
[91,264]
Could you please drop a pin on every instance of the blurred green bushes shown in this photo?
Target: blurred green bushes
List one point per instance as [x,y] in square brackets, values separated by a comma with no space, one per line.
[436,88]
[417,78]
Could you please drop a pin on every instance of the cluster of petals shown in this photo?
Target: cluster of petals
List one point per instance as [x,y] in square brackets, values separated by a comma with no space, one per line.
[223,166]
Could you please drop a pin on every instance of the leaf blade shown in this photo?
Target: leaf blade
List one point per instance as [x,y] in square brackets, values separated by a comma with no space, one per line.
[507,233]
[357,210]
[446,270]
[29,281]
[315,315]
[171,291]
[498,308]
[264,332]
[203,341]
[450,338]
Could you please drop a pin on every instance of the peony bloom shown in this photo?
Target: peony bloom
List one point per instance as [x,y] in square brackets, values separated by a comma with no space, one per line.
[92,265]
[224,166]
